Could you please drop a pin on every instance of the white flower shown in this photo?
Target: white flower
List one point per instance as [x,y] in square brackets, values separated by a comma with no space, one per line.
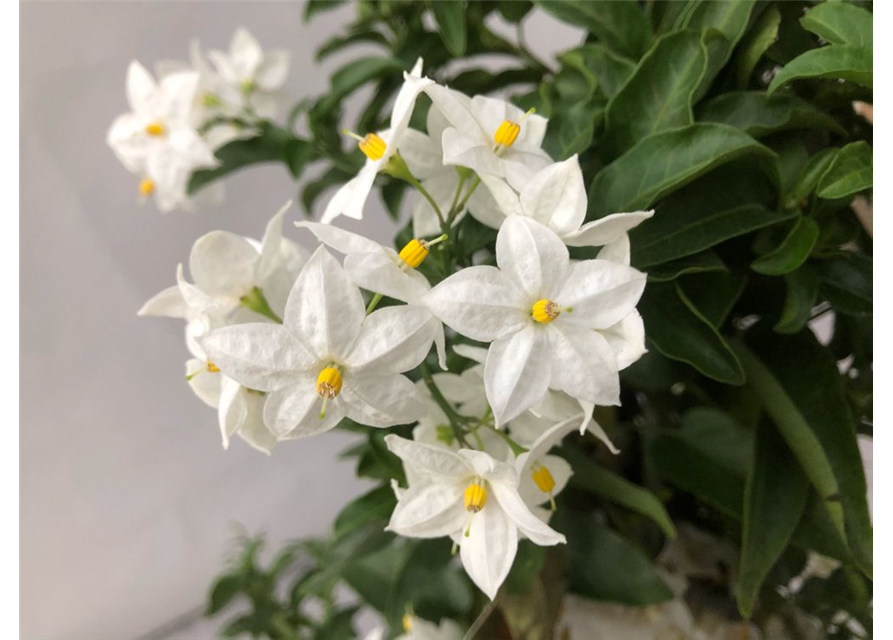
[328,359]
[379,147]
[417,629]
[473,497]
[556,197]
[543,316]
[157,140]
[544,476]
[490,136]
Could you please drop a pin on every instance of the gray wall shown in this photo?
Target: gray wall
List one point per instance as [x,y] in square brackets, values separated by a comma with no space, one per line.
[127,499]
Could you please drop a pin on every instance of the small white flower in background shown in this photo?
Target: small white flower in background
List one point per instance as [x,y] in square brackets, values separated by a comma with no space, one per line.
[472,497]
[491,136]
[556,197]
[328,359]
[378,148]
[157,140]
[544,476]
[544,317]
[414,628]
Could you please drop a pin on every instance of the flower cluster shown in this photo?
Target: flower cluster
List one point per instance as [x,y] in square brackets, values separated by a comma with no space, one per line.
[286,346]
[179,118]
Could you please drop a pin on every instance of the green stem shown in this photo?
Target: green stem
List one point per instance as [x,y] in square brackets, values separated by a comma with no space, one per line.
[456,209]
[398,168]
[374,303]
[516,448]
[452,415]
[256,301]
[462,178]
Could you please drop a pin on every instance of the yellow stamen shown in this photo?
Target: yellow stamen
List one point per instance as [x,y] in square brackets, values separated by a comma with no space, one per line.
[545,311]
[507,133]
[212,368]
[475,497]
[147,187]
[328,384]
[543,478]
[370,144]
[414,253]
[407,622]
[155,129]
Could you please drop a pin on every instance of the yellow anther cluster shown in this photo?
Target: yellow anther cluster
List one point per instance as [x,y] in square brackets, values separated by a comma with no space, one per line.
[545,311]
[475,497]
[147,187]
[407,622]
[155,129]
[543,479]
[507,133]
[373,146]
[414,253]
[212,368]
[328,384]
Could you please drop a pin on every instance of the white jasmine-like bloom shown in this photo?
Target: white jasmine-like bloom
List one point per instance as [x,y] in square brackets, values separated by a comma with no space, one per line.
[556,196]
[378,148]
[544,476]
[417,629]
[474,498]
[491,136]
[328,359]
[157,140]
[544,317]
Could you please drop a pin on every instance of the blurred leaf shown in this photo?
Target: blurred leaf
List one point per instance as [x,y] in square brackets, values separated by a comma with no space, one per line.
[621,26]
[763,33]
[338,627]
[314,7]
[667,161]
[802,289]
[526,566]
[298,153]
[514,10]
[378,462]
[223,591]
[450,16]
[432,582]
[704,262]
[847,281]
[774,499]
[361,36]
[849,173]
[759,115]
[836,62]
[792,252]
[374,505]
[840,23]
[355,74]
[716,434]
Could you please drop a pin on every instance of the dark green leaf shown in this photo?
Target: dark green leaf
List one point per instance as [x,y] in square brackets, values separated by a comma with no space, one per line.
[475,81]
[526,566]
[840,23]
[356,73]
[713,294]
[392,193]
[431,582]
[730,20]
[224,589]
[362,36]
[714,433]
[667,161]
[678,331]
[837,61]
[802,288]
[374,505]
[815,169]
[621,26]
[298,153]
[608,70]
[792,252]
[450,16]
[704,262]
[847,281]
[590,476]
[514,10]
[763,33]
[314,7]
[571,131]
[338,627]
[774,499]
[759,114]
[849,173]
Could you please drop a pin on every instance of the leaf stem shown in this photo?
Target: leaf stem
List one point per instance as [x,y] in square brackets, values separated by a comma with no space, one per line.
[374,303]
[256,301]
[456,420]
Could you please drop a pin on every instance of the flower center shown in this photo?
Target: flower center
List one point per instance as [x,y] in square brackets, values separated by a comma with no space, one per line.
[407,622]
[545,311]
[328,383]
[475,496]
[212,368]
[147,187]
[370,144]
[507,133]
[544,481]
[155,129]
[416,250]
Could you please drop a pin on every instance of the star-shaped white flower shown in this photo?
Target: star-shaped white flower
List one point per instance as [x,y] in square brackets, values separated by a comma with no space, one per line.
[472,497]
[542,475]
[556,197]
[328,359]
[379,147]
[543,316]
[157,140]
[490,136]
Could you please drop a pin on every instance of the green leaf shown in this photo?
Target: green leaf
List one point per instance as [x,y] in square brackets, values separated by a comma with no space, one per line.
[314,7]
[714,294]
[716,434]
[704,262]
[571,130]
[514,10]
[604,566]
[811,413]
[338,627]
[431,582]
[840,23]
[846,280]
[849,173]
[450,16]
[355,74]
[608,70]
[223,591]
[374,505]
[730,19]
[774,500]
[364,35]
[762,35]
[621,26]
[606,484]
[792,252]
[298,153]
[816,167]
[836,61]
[759,114]
[680,332]
[658,95]
[802,288]
[667,161]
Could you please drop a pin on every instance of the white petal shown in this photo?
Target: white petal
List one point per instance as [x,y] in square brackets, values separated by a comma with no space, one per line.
[273,71]
[423,156]
[232,411]
[178,97]
[560,471]
[293,412]
[433,460]
[583,365]
[627,339]
[489,549]
[484,209]
[479,302]
[271,256]
[141,88]
[492,112]
[601,293]
[324,309]
[557,196]
[488,467]
[516,374]
[395,339]
[404,104]
[340,240]
[616,251]
[168,303]
[440,344]
[245,53]
[532,256]
[223,264]
[204,384]
[477,354]
[455,108]
[464,150]
[520,167]
[605,230]
[381,399]
[538,531]
[258,355]
[544,443]
[508,202]
[127,139]
[253,430]
[441,188]
[350,199]
[200,302]
[429,510]
[380,272]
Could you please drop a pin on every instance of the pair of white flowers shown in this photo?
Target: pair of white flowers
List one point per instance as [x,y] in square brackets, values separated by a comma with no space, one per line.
[177,121]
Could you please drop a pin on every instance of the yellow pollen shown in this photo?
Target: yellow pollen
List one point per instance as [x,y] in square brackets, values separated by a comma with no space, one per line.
[328,384]
[407,622]
[147,187]
[545,311]
[155,129]
[373,146]
[475,497]
[414,253]
[213,368]
[543,478]
[507,133]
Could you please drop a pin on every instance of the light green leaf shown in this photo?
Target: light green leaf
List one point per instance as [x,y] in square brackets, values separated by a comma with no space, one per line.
[850,173]
[840,23]
[792,252]
[667,161]
[774,500]
[762,35]
[837,61]
[802,288]
[450,16]
[592,477]
[621,26]
[759,114]
[680,332]
[704,262]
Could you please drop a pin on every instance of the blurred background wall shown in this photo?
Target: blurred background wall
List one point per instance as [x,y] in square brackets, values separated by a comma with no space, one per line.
[128,502]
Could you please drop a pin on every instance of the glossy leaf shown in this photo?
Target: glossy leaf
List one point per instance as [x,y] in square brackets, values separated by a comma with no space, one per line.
[704,262]
[621,26]
[450,16]
[374,505]
[840,23]
[608,70]
[762,35]
[759,115]
[792,252]
[816,167]
[713,293]
[849,173]
[728,19]
[802,288]
[835,62]
[847,281]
